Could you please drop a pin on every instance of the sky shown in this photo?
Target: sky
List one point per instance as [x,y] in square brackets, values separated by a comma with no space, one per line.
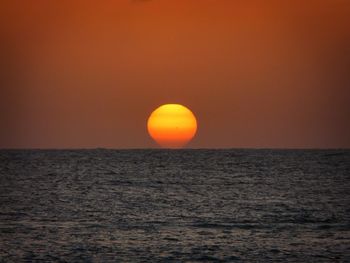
[257,74]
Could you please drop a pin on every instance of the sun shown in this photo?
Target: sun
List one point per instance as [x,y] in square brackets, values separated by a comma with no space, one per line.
[172,125]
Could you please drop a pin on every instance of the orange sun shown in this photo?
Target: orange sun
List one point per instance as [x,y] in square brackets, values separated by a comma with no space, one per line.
[172,125]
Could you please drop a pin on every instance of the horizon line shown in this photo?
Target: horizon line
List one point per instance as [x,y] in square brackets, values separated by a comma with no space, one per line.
[174,149]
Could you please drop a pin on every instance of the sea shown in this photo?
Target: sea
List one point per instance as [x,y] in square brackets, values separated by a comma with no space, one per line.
[234,205]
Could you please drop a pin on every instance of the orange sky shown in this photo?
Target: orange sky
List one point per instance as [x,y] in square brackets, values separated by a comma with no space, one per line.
[81,74]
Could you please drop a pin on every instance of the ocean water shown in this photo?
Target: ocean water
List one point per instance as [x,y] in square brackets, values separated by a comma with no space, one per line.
[174,205]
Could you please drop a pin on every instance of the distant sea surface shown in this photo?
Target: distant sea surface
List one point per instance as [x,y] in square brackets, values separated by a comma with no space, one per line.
[174,205]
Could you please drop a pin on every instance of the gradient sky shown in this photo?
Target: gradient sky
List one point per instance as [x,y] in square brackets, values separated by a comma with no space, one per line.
[81,74]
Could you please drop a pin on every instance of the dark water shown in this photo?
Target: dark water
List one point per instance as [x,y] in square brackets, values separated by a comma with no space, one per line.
[180,206]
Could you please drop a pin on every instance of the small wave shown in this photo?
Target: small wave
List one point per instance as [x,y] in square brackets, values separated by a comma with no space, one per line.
[224,226]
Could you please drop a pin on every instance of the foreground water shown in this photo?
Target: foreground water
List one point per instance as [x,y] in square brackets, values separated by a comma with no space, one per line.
[179,205]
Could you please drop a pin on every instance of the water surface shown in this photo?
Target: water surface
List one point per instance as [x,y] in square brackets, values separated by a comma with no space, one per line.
[176,205]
